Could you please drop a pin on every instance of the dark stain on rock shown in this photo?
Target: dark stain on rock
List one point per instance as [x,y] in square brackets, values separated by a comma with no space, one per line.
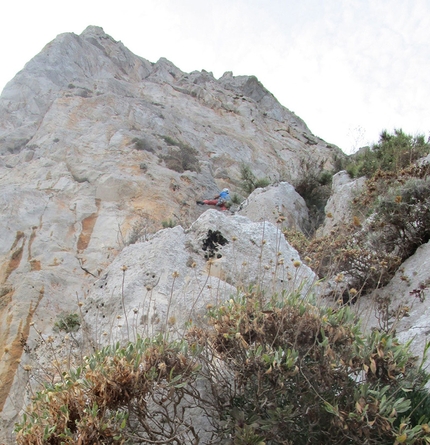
[212,242]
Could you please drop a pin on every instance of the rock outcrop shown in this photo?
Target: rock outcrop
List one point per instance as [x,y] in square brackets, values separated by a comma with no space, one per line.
[403,305]
[178,272]
[100,148]
[279,204]
[338,209]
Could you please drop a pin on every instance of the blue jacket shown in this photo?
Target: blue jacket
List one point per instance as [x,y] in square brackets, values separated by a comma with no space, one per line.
[224,195]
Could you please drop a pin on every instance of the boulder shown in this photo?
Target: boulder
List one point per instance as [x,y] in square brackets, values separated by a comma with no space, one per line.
[164,282]
[406,298]
[338,208]
[279,204]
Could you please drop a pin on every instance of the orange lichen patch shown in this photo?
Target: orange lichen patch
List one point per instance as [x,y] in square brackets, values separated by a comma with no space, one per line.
[87,229]
[16,256]
[155,208]
[35,265]
[11,358]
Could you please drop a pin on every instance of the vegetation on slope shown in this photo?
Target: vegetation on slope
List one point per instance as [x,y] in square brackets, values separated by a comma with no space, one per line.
[392,153]
[391,216]
[264,371]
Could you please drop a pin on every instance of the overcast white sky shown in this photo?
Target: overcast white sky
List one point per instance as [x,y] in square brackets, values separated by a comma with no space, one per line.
[348,68]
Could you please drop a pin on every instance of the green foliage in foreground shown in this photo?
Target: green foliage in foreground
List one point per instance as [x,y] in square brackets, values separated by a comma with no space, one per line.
[277,371]
[392,153]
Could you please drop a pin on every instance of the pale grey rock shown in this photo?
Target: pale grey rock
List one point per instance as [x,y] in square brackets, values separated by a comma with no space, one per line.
[338,208]
[171,275]
[279,204]
[424,161]
[409,289]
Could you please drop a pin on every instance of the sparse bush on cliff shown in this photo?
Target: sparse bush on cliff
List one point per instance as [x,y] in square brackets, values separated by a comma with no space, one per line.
[68,323]
[315,188]
[169,223]
[347,252]
[249,182]
[142,144]
[236,199]
[402,217]
[180,156]
[391,218]
[392,153]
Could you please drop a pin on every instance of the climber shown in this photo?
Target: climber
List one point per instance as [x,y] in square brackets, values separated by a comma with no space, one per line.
[222,200]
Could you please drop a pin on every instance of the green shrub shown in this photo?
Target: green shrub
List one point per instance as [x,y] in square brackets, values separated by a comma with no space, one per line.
[236,199]
[169,223]
[289,372]
[249,182]
[68,323]
[180,156]
[142,144]
[401,219]
[392,153]
[315,189]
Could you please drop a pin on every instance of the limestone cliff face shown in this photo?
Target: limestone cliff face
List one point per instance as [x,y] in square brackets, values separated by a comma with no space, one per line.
[94,140]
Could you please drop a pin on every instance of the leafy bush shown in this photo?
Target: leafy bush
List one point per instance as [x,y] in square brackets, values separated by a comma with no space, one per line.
[249,182]
[119,395]
[289,372]
[277,371]
[68,323]
[402,217]
[392,153]
[315,189]
[180,156]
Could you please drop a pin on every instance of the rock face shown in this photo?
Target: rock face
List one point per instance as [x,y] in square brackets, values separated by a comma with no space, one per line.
[338,209]
[409,293]
[98,149]
[182,271]
[279,204]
